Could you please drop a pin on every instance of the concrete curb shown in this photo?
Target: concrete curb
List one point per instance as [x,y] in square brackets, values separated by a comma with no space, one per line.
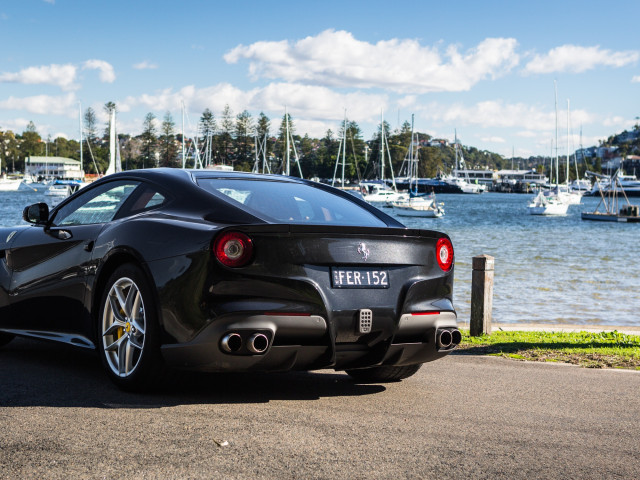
[558,327]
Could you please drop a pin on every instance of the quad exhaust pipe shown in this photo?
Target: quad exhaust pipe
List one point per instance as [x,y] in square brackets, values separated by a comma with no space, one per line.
[231,342]
[258,343]
[234,342]
[447,338]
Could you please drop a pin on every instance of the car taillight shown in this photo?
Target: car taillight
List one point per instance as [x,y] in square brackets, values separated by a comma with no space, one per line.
[444,254]
[233,249]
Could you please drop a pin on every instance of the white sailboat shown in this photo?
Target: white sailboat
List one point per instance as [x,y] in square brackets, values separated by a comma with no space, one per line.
[9,185]
[413,205]
[551,202]
[381,195]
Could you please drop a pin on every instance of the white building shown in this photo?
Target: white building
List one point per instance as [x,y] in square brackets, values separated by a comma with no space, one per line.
[53,168]
[522,176]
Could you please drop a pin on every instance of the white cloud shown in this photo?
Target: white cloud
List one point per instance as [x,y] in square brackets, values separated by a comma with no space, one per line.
[62,76]
[16,125]
[107,73]
[318,107]
[636,79]
[145,65]
[496,114]
[493,139]
[43,104]
[336,58]
[577,59]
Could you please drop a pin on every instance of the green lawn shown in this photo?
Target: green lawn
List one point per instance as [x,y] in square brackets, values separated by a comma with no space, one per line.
[594,350]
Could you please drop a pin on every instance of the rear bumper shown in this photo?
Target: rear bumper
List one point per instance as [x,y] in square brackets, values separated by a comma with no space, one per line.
[308,343]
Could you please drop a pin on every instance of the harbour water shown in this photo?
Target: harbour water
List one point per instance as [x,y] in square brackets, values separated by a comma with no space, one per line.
[547,269]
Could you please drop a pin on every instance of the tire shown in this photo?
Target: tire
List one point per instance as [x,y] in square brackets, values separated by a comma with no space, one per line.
[128,331]
[5,338]
[383,374]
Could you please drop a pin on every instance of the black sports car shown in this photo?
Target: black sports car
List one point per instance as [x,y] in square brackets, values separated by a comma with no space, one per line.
[226,271]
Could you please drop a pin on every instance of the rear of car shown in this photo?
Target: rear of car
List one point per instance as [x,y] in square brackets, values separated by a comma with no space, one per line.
[323,281]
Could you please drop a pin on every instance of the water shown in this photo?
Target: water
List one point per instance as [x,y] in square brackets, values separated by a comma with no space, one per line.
[547,269]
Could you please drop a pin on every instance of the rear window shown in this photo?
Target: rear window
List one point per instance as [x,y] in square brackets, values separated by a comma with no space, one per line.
[287,202]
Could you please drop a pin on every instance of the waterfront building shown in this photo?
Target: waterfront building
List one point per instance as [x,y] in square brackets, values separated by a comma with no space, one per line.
[521,176]
[50,168]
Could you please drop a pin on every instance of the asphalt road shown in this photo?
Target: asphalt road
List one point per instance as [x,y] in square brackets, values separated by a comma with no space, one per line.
[461,417]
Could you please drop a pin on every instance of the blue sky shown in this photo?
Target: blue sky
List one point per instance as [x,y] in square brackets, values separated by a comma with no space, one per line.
[485,68]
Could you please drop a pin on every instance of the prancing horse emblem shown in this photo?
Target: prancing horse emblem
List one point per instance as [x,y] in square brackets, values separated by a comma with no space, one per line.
[364,251]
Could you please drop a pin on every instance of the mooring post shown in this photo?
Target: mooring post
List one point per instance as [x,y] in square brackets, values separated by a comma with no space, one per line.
[481,295]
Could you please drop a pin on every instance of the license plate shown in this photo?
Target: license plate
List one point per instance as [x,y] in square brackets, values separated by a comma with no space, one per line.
[359,278]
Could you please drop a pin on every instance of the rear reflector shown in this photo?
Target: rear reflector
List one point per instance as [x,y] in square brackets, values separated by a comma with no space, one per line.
[426,313]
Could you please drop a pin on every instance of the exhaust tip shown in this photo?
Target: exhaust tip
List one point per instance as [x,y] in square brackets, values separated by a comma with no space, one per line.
[456,336]
[258,343]
[231,343]
[444,338]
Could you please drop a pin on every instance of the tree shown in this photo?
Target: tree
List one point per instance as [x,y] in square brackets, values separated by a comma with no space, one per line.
[226,131]
[90,125]
[149,141]
[168,148]
[282,141]
[108,108]
[31,141]
[244,140]
[208,129]
[264,125]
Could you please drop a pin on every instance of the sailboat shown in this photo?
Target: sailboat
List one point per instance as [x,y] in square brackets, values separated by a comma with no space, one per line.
[414,205]
[609,200]
[379,193]
[550,203]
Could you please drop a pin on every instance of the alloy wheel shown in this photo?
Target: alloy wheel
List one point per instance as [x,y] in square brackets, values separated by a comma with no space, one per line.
[123,327]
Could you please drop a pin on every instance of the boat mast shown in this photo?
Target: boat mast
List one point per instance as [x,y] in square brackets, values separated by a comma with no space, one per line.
[568,143]
[80,127]
[381,146]
[344,146]
[184,160]
[555,87]
[286,120]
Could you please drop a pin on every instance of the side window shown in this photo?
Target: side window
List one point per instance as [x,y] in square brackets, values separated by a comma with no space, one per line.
[99,205]
[146,198]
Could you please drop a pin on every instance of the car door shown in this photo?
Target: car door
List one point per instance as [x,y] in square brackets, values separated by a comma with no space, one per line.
[49,264]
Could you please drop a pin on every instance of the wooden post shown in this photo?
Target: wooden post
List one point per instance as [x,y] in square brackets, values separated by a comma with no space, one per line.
[481,295]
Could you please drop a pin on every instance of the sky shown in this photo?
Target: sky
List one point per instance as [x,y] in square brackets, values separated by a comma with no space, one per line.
[487,70]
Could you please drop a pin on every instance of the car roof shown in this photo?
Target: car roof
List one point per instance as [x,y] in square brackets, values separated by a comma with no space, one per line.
[194,174]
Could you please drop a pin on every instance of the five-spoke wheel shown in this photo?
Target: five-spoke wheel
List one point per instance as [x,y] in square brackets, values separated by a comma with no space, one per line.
[123,327]
[128,340]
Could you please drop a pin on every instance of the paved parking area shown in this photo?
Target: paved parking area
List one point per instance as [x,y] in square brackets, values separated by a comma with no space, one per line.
[461,417]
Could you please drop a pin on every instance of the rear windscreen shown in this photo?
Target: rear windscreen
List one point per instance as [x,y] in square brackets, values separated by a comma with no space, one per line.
[287,202]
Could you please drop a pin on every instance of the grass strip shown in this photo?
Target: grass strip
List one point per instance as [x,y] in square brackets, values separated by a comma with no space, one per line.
[587,349]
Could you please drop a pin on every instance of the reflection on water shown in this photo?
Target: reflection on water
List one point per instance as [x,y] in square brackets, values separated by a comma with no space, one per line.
[547,269]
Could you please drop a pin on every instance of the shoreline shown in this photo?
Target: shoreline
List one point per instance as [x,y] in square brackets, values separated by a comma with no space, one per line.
[558,327]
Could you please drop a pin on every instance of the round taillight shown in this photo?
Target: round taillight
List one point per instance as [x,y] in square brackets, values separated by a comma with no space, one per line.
[233,249]
[444,254]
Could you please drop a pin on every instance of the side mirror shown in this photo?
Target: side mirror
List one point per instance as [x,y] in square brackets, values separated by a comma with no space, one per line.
[38,213]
